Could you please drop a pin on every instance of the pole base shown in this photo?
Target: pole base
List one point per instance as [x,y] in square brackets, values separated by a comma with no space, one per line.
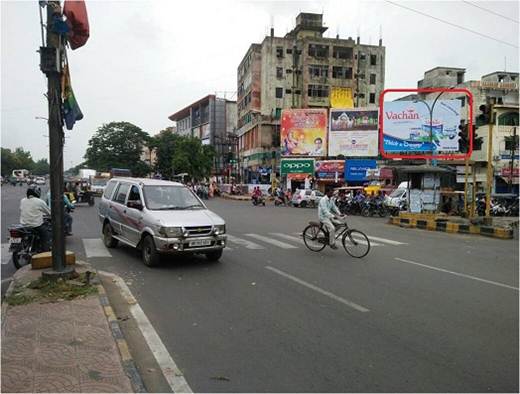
[488,221]
[51,274]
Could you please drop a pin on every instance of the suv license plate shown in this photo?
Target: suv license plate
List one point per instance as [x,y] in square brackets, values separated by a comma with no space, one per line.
[15,240]
[200,242]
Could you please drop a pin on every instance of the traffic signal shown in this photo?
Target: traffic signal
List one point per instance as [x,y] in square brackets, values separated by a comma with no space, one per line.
[485,116]
[463,138]
[477,141]
[230,157]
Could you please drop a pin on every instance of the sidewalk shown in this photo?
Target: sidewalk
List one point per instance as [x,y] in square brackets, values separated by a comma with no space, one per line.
[63,346]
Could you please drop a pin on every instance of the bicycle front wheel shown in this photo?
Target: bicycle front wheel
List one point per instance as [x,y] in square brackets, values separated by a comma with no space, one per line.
[314,238]
[356,243]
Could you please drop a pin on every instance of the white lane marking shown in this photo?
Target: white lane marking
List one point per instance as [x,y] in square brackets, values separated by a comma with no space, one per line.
[244,242]
[271,241]
[362,241]
[288,237]
[319,290]
[6,256]
[171,372]
[385,240]
[458,274]
[94,247]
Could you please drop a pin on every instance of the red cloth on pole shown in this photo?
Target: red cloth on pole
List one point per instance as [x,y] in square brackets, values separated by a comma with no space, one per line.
[77,18]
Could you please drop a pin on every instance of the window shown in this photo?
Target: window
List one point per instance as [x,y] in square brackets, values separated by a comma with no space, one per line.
[342,53]
[511,143]
[318,91]
[288,51]
[279,72]
[342,72]
[317,71]
[288,91]
[122,191]
[318,51]
[460,78]
[372,99]
[362,56]
[134,194]
[372,79]
[373,60]
[279,52]
[109,189]
[361,95]
[288,71]
[508,119]
[277,113]
[279,92]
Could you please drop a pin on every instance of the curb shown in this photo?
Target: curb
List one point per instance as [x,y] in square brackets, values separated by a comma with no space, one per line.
[450,227]
[236,198]
[127,360]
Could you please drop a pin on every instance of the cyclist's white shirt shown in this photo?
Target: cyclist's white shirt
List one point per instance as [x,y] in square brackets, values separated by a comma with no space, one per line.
[327,209]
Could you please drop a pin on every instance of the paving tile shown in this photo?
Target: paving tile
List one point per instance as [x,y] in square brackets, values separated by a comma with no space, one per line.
[18,349]
[103,387]
[54,382]
[17,378]
[90,336]
[107,364]
[58,331]
[22,326]
[55,355]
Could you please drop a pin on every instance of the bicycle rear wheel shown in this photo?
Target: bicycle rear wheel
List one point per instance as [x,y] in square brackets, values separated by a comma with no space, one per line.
[356,243]
[314,238]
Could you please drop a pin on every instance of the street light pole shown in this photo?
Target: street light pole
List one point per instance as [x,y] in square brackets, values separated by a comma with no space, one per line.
[430,110]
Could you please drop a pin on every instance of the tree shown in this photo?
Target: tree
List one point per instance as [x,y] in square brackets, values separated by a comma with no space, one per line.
[41,167]
[19,159]
[118,145]
[165,143]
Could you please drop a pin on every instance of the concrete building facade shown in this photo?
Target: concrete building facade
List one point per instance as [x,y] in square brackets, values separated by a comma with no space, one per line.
[298,70]
[212,120]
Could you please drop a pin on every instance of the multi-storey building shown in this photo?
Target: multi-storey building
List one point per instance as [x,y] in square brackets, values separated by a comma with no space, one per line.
[298,70]
[500,88]
[213,120]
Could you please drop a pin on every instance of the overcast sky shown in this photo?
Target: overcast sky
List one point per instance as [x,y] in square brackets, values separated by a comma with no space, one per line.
[147,59]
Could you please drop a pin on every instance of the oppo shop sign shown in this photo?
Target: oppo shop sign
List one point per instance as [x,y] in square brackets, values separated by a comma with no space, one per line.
[297,166]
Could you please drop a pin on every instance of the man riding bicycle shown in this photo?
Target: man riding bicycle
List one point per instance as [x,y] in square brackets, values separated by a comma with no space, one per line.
[330,216]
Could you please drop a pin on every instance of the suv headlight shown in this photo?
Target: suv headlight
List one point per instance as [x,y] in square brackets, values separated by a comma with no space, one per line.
[170,232]
[220,229]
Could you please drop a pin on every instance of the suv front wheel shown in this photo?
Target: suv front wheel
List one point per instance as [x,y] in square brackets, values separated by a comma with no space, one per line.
[150,255]
[215,255]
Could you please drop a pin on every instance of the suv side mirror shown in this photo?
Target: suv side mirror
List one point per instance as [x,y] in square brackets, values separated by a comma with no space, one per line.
[136,204]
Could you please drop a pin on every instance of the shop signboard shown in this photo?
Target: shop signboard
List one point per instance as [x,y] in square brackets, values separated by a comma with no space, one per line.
[356,170]
[297,166]
[330,169]
[353,132]
[406,126]
[303,132]
[341,97]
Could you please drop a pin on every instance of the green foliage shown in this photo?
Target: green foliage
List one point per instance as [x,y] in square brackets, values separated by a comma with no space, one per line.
[118,145]
[41,167]
[19,159]
[180,154]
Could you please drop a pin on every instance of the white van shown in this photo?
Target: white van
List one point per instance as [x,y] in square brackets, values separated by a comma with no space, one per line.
[399,195]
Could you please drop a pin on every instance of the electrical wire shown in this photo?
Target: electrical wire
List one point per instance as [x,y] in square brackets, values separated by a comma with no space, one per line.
[452,24]
[490,11]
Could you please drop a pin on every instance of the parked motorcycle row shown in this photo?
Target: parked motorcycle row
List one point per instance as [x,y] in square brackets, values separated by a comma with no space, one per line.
[498,208]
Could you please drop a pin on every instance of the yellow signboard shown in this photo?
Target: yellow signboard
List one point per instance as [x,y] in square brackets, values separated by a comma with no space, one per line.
[341,98]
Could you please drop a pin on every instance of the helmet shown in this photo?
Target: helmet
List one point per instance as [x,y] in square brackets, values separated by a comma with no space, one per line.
[33,191]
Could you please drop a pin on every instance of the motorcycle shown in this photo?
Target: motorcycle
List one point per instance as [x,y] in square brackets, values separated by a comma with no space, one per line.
[258,200]
[372,207]
[279,201]
[24,243]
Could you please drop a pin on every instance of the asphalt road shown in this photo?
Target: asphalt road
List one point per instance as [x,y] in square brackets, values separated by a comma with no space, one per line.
[423,312]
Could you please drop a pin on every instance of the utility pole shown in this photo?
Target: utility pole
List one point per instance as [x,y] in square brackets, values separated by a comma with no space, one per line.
[55,48]
[512,166]
[489,163]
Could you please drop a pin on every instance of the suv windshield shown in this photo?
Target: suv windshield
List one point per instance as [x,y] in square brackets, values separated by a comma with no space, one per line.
[170,197]
[397,193]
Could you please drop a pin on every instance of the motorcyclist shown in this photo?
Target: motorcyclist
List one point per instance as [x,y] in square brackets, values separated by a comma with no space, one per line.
[257,194]
[66,215]
[330,216]
[32,211]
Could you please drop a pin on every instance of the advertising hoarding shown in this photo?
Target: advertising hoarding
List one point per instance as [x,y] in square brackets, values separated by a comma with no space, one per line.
[353,132]
[303,132]
[330,169]
[341,97]
[356,170]
[406,126]
[297,166]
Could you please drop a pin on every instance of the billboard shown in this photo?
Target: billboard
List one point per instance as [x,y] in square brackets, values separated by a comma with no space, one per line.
[303,132]
[353,132]
[356,170]
[406,126]
[297,166]
[330,169]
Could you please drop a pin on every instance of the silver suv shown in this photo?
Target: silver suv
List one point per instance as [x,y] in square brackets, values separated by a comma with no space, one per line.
[159,217]
[306,198]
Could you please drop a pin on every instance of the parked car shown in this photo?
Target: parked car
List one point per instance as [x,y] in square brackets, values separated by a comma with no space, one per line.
[40,180]
[306,198]
[159,217]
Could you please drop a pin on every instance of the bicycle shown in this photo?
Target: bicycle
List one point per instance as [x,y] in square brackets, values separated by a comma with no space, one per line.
[355,242]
